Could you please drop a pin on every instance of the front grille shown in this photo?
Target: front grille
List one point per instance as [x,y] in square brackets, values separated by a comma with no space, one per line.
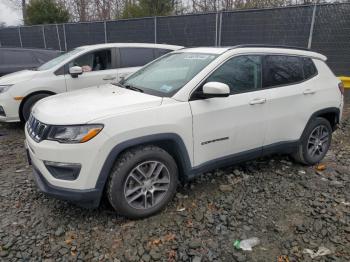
[36,129]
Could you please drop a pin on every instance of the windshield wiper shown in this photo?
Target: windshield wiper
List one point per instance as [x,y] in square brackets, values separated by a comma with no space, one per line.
[130,87]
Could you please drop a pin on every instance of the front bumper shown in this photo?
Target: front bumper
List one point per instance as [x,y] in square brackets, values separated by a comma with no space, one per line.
[86,198]
[10,107]
[83,190]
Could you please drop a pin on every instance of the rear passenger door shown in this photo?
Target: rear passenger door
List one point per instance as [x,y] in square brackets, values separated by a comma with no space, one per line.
[130,59]
[289,80]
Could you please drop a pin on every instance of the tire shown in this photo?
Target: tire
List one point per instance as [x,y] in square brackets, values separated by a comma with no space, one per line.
[316,129]
[28,105]
[130,189]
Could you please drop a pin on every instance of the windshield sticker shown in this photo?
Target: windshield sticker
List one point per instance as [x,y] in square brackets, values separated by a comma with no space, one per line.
[166,88]
[197,57]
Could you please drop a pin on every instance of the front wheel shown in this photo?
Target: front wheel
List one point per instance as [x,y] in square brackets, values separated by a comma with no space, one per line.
[315,142]
[142,182]
[28,105]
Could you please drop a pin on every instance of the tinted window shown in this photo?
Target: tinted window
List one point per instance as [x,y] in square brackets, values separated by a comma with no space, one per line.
[309,68]
[94,61]
[161,52]
[241,74]
[18,57]
[281,70]
[131,57]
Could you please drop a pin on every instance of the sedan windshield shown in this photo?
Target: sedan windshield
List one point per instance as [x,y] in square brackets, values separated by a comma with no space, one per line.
[50,64]
[170,73]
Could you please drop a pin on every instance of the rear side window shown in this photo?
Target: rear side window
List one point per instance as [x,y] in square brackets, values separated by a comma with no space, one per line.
[132,57]
[309,68]
[18,57]
[281,70]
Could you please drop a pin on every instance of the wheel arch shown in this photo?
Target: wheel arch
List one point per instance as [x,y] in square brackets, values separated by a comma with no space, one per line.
[332,114]
[29,96]
[170,142]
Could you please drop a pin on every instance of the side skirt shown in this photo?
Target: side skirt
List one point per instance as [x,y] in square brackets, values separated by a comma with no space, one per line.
[280,148]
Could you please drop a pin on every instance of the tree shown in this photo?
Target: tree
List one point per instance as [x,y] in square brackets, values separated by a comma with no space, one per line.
[144,8]
[45,12]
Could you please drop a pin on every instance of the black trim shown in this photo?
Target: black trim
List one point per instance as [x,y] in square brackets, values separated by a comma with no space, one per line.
[86,198]
[270,46]
[158,138]
[332,110]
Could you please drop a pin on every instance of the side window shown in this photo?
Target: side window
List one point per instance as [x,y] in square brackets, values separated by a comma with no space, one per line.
[132,57]
[309,68]
[281,70]
[94,61]
[160,52]
[18,57]
[241,74]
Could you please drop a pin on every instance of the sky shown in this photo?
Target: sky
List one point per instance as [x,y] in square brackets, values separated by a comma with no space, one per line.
[9,14]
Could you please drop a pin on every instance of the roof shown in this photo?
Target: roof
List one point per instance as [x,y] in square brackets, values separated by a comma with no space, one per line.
[29,49]
[144,45]
[258,49]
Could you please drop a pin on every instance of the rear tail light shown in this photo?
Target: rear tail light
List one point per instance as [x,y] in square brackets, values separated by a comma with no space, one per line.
[341,88]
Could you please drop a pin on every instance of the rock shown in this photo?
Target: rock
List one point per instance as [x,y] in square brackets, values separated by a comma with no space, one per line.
[197,259]
[155,255]
[195,244]
[4,253]
[226,188]
[146,258]
[59,232]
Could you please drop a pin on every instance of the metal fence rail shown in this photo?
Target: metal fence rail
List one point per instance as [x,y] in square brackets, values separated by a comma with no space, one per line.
[324,28]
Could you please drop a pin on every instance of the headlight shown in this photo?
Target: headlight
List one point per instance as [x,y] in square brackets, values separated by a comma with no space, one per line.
[4,88]
[74,134]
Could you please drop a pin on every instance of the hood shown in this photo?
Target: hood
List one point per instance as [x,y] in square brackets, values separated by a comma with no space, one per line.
[87,104]
[17,77]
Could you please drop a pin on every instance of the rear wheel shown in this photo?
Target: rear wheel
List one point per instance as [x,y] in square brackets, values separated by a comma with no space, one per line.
[28,105]
[142,182]
[315,142]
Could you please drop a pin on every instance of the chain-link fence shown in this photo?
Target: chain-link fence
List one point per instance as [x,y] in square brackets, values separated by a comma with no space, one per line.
[324,28]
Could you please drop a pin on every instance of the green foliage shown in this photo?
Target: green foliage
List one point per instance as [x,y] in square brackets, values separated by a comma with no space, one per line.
[144,8]
[45,12]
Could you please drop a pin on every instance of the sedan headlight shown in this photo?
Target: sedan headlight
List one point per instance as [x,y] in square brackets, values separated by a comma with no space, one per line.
[4,88]
[74,134]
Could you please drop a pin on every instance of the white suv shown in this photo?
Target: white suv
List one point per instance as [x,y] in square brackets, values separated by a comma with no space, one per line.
[82,67]
[186,113]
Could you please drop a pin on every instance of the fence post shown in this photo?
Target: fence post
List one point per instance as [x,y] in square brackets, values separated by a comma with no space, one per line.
[312,26]
[216,28]
[105,28]
[64,36]
[44,38]
[58,38]
[220,29]
[155,29]
[20,37]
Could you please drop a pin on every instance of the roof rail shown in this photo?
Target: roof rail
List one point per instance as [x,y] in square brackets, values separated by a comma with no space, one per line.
[269,46]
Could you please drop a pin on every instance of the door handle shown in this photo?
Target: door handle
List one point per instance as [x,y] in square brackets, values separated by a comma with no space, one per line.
[309,92]
[109,78]
[257,101]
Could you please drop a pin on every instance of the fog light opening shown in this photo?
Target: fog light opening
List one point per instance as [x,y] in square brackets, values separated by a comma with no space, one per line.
[63,171]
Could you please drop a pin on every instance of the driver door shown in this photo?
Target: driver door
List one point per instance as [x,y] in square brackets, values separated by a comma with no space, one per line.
[227,126]
[98,69]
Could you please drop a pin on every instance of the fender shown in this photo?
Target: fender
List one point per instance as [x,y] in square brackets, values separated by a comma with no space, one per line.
[181,156]
[322,112]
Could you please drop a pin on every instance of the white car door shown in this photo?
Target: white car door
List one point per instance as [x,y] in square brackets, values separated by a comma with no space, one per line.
[98,68]
[291,101]
[236,124]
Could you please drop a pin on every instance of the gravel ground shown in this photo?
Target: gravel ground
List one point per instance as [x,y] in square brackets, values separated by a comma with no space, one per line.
[288,206]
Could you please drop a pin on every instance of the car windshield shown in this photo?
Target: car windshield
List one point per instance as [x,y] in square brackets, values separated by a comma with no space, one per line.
[50,64]
[166,76]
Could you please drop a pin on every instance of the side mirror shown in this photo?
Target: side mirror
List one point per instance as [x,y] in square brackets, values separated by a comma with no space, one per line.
[74,71]
[216,89]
